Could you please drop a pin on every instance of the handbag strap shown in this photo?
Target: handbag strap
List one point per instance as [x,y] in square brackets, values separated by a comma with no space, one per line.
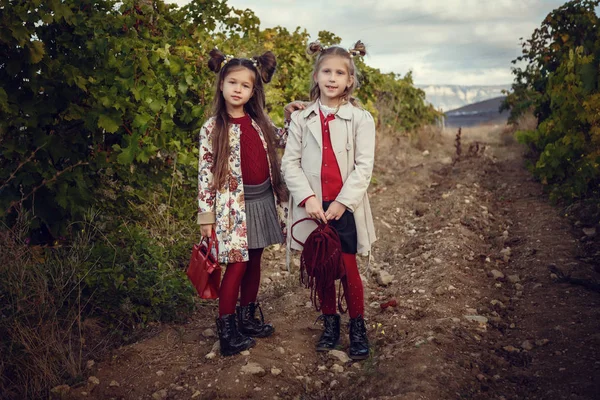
[302,220]
[211,242]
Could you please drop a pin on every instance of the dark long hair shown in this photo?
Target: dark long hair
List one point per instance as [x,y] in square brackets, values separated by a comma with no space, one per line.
[263,68]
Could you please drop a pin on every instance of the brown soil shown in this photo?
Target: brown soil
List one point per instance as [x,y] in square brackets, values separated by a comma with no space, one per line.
[442,229]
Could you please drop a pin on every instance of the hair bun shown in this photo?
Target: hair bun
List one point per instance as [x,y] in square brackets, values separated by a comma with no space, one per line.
[266,65]
[314,48]
[216,60]
[359,49]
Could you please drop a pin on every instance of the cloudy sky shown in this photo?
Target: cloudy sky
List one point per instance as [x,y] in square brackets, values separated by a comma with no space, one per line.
[462,42]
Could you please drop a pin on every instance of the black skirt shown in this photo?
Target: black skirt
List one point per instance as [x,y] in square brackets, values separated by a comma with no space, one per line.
[346,229]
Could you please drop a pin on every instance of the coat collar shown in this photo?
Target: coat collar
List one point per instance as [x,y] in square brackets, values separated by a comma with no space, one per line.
[344,112]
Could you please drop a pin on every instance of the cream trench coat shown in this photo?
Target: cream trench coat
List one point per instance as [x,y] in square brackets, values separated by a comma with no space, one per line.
[226,207]
[353,141]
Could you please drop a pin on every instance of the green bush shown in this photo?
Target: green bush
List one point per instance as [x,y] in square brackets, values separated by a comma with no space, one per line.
[49,297]
[123,86]
[560,83]
[132,279]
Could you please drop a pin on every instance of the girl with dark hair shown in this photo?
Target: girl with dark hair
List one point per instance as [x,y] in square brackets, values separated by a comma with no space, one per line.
[327,167]
[241,193]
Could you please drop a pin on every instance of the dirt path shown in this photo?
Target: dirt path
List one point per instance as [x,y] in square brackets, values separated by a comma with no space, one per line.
[478,313]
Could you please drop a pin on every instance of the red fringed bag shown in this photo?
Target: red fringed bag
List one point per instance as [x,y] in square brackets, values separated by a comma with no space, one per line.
[321,261]
[204,270]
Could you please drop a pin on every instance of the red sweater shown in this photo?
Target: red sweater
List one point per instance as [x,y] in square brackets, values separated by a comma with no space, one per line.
[331,177]
[254,163]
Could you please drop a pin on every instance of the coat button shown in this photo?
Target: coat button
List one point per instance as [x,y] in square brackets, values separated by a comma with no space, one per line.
[348,146]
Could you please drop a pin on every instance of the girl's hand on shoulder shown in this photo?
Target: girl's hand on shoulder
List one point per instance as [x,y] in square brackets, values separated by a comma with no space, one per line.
[314,209]
[291,107]
[335,211]
[206,230]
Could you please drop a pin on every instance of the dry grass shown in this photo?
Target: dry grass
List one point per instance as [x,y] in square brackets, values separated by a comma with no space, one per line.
[42,329]
[390,149]
[527,122]
[424,138]
[496,134]
[481,133]
[285,285]
[398,151]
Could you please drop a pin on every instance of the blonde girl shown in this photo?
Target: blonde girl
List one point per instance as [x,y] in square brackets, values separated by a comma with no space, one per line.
[327,168]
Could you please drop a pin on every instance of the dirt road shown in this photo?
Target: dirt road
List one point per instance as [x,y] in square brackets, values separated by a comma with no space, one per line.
[472,247]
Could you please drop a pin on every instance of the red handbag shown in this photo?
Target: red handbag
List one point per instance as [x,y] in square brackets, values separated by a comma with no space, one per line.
[204,270]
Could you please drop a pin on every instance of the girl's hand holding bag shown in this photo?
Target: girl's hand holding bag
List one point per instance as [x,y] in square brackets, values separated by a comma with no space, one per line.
[204,270]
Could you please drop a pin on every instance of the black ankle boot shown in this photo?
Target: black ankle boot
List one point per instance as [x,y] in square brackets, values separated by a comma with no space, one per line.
[230,339]
[359,343]
[250,325]
[331,332]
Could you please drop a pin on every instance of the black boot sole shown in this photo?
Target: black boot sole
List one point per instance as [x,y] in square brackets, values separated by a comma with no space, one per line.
[323,348]
[358,357]
[258,335]
[232,353]
[261,335]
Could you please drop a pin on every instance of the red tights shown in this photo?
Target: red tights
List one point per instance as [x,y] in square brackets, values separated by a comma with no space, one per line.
[353,290]
[244,275]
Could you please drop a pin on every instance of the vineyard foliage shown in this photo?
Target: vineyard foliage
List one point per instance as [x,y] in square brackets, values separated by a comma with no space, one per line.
[101,101]
[560,84]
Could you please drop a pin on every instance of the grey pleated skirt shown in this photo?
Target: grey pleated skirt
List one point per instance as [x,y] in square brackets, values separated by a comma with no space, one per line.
[261,216]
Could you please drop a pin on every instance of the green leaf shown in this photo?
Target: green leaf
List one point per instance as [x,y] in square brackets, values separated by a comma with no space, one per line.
[175,67]
[81,83]
[141,120]
[176,144]
[166,124]
[3,100]
[62,197]
[182,87]
[107,123]
[170,109]
[144,63]
[143,157]
[171,91]
[155,105]
[127,155]
[589,77]
[36,51]
[20,33]
[62,11]
[136,93]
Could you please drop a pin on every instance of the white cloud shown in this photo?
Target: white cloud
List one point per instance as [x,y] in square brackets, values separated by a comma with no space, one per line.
[463,42]
[459,10]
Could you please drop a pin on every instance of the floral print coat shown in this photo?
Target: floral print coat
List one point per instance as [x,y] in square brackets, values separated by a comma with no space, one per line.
[226,207]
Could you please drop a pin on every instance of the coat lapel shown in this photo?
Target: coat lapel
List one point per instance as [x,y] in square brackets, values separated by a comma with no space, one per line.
[313,122]
[314,126]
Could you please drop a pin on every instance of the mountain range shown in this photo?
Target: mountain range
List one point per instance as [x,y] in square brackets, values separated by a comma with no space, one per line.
[483,112]
[451,97]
